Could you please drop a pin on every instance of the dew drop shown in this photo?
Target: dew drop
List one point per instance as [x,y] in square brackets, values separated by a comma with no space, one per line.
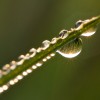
[6,67]
[13,65]
[54,40]
[39,49]
[44,60]
[39,64]
[20,62]
[15,80]
[78,23]
[72,49]
[45,44]
[19,77]
[21,57]
[24,73]
[27,56]
[11,82]
[48,57]
[33,51]
[5,87]
[34,67]
[29,70]
[88,32]
[52,54]
[63,34]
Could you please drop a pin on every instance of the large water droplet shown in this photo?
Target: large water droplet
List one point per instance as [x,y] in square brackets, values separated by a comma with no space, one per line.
[88,32]
[72,49]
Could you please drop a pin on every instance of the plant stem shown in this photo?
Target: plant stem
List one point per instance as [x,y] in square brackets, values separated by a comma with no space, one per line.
[52,48]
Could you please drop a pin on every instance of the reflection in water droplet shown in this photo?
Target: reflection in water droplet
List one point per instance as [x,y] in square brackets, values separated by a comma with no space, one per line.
[88,32]
[72,49]
[78,23]
[63,34]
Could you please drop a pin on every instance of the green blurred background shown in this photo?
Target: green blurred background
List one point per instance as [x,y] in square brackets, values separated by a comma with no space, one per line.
[25,24]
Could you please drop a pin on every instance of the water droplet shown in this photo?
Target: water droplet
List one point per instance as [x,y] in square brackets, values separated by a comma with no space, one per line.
[39,64]
[63,34]
[44,60]
[20,62]
[88,32]
[21,57]
[5,87]
[13,65]
[6,67]
[19,77]
[27,56]
[24,73]
[15,80]
[33,51]
[72,49]
[48,57]
[54,40]
[78,23]
[24,57]
[6,72]
[52,54]
[34,67]
[39,49]
[11,82]
[29,70]
[45,44]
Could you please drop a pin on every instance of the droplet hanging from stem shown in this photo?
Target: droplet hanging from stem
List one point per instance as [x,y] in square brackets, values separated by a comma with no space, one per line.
[72,49]
[88,32]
